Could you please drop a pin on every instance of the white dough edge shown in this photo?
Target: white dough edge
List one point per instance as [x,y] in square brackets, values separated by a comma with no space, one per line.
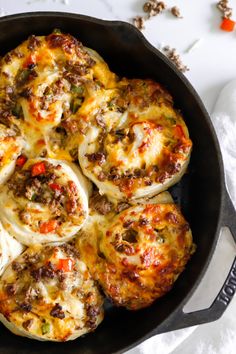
[6,171]
[23,333]
[113,192]
[9,249]
[23,233]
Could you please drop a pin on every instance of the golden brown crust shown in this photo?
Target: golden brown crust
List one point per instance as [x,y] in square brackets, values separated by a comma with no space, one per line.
[137,144]
[43,84]
[48,294]
[44,201]
[138,255]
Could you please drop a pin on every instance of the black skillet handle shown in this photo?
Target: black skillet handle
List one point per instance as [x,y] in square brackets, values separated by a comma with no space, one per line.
[179,319]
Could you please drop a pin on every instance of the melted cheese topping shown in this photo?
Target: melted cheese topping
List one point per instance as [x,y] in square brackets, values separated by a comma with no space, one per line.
[136,144]
[48,294]
[137,255]
[49,77]
[48,209]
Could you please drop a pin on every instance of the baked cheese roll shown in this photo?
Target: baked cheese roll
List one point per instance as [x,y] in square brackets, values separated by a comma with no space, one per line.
[44,82]
[48,294]
[11,145]
[9,248]
[43,72]
[44,201]
[137,256]
[135,144]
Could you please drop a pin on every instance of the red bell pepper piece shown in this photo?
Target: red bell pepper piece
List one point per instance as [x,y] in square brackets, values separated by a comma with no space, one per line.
[38,169]
[179,131]
[48,226]
[66,265]
[227,25]
[55,187]
[21,160]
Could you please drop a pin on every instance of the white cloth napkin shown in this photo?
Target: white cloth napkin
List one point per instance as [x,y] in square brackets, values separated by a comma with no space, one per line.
[216,337]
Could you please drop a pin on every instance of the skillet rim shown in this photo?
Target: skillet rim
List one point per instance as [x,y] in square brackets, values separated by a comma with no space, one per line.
[129,27]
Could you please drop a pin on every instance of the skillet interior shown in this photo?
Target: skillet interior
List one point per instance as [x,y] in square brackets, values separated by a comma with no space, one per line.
[199,193]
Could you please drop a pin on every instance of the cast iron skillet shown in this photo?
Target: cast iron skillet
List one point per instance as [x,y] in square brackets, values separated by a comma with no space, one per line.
[202,193]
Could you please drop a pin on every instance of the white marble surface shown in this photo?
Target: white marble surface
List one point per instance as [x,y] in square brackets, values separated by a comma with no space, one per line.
[212,65]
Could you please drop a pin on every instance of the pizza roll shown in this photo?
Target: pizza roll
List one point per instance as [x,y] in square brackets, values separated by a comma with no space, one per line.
[137,255]
[135,144]
[44,201]
[47,293]
[44,72]
[44,82]
[11,145]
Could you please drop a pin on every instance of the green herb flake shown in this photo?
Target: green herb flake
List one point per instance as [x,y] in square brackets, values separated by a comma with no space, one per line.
[75,104]
[99,83]
[17,110]
[111,104]
[23,76]
[171,120]
[74,153]
[45,328]
[56,31]
[160,239]
[79,90]
[34,196]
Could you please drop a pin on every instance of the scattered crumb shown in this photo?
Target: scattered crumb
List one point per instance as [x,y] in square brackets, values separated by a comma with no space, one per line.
[138,22]
[172,55]
[154,7]
[176,12]
[195,45]
[224,8]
